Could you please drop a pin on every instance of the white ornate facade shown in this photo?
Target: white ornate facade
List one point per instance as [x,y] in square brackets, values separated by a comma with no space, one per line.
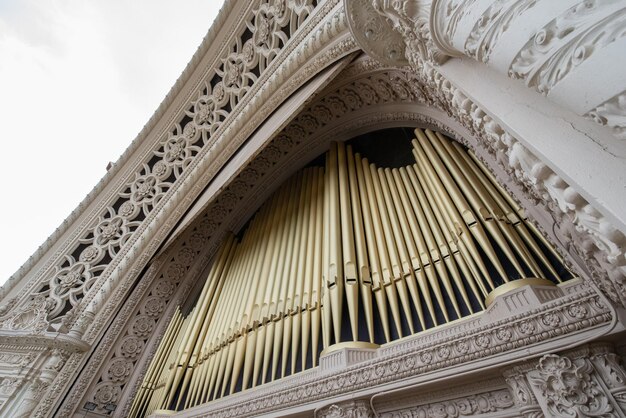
[536,88]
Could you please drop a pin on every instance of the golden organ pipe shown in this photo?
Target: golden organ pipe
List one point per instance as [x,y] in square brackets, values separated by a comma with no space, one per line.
[333,235]
[276,280]
[475,201]
[452,249]
[249,327]
[260,313]
[451,219]
[396,265]
[229,335]
[351,285]
[335,266]
[146,391]
[326,317]
[461,253]
[208,320]
[385,263]
[428,235]
[499,217]
[363,271]
[448,249]
[310,266]
[317,267]
[163,399]
[444,244]
[297,276]
[409,231]
[372,250]
[212,341]
[292,275]
[204,301]
[465,218]
[512,211]
[284,270]
[424,270]
[404,260]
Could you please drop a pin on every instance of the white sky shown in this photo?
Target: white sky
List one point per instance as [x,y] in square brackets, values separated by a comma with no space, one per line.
[78,80]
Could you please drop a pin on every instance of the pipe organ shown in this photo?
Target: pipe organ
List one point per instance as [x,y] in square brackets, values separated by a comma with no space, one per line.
[346,252]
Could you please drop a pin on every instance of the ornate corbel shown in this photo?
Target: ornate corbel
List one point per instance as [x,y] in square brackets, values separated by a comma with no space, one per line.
[395,32]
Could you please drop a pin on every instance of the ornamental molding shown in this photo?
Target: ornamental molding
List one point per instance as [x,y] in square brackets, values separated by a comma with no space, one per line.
[612,114]
[393,32]
[474,343]
[117,228]
[198,238]
[491,25]
[566,42]
[213,38]
[480,397]
[582,231]
[465,406]
[256,179]
[568,389]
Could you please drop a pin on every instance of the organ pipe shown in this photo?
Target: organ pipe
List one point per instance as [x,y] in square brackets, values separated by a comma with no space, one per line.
[351,251]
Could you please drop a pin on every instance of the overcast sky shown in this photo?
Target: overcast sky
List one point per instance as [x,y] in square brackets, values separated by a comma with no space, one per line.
[78,80]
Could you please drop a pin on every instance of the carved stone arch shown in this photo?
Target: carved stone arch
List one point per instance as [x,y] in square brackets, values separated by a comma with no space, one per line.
[124,311]
[305,137]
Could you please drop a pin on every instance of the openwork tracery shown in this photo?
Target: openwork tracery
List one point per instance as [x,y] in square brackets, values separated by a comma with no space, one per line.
[268,29]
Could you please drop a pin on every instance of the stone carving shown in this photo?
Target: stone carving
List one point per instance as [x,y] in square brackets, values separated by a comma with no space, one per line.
[612,113]
[488,402]
[391,30]
[8,385]
[391,365]
[29,317]
[178,154]
[569,389]
[76,272]
[566,42]
[34,390]
[494,21]
[595,240]
[22,360]
[571,384]
[610,367]
[350,409]
[522,394]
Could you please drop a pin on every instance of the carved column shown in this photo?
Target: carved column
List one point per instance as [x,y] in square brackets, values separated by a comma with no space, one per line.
[349,409]
[570,50]
[587,381]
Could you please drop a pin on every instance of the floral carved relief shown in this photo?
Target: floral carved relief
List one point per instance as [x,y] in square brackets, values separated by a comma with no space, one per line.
[494,21]
[271,23]
[484,403]
[612,114]
[567,41]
